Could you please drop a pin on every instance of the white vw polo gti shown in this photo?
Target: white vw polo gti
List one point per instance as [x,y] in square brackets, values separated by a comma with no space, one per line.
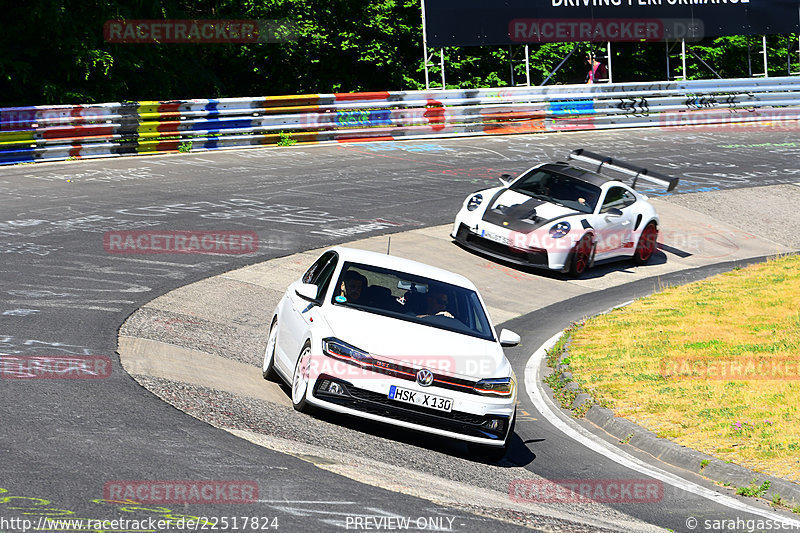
[395,341]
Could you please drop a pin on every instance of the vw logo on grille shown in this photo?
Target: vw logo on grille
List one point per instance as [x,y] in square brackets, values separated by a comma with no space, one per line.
[424,377]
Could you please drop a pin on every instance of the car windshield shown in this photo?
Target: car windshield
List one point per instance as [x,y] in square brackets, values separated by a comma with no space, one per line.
[558,188]
[412,298]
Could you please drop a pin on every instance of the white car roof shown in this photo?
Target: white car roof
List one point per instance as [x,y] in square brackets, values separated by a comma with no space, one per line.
[403,265]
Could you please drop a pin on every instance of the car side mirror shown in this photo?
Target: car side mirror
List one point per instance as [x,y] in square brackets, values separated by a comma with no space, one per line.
[307,291]
[613,213]
[505,179]
[508,338]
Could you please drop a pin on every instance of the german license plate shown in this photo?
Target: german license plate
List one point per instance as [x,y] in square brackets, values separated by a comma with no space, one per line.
[495,237]
[422,399]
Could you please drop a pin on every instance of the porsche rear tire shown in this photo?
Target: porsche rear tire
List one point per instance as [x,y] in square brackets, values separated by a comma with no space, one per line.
[646,245]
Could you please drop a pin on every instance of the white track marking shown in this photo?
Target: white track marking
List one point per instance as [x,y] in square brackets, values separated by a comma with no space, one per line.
[570,428]
[321,502]
[486,149]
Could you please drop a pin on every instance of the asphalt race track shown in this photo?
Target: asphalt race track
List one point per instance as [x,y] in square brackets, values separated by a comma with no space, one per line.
[66,441]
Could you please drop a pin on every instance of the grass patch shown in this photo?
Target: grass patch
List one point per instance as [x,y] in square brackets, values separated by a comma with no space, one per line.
[738,398]
[564,396]
[285,139]
[754,490]
[554,354]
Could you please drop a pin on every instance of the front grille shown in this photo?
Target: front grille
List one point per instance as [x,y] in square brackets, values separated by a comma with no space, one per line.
[530,256]
[408,373]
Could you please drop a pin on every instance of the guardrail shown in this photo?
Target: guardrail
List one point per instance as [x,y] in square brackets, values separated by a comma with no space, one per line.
[51,133]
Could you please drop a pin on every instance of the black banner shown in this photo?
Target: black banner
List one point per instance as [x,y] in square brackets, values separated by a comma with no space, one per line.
[488,22]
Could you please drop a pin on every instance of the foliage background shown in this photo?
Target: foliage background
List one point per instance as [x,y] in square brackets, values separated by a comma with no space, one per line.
[53,52]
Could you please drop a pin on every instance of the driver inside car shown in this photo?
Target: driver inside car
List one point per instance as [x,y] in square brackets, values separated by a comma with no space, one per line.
[436,303]
[353,287]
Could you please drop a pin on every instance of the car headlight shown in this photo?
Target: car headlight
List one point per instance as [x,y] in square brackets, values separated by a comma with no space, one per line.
[559,230]
[474,201]
[502,387]
[333,347]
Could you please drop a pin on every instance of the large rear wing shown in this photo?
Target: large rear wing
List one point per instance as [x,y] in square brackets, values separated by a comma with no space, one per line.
[606,163]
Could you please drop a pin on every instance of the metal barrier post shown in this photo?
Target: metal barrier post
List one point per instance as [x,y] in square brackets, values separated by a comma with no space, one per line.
[763,52]
[527,67]
[511,64]
[683,58]
[608,56]
[441,64]
[666,49]
[798,56]
[426,58]
[425,48]
[511,60]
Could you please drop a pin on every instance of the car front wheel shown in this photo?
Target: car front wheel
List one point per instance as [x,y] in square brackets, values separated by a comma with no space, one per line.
[268,368]
[300,380]
[582,256]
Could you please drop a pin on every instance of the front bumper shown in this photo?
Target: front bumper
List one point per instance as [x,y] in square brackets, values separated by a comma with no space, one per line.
[490,428]
[535,257]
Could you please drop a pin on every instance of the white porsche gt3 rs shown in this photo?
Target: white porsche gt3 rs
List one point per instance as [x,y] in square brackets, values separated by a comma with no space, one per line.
[394,341]
[562,217]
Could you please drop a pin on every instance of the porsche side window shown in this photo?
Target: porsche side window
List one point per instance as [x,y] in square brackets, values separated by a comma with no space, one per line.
[628,198]
[617,197]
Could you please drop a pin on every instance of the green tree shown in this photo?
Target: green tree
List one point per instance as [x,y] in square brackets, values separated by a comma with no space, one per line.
[54,52]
